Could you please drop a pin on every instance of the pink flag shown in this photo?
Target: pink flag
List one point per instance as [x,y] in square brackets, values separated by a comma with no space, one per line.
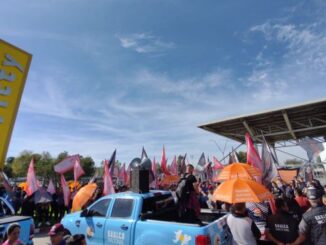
[154,167]
[183,166]
[107,181]
[51,188]
[32,185]
[65,190]
[128,176]
[123,174]
[217,164]
[154,183]
[253,157]
[163,163]
[174,166]
[78,170]
[66,164]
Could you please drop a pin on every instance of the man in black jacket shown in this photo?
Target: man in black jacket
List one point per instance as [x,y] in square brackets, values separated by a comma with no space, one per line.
[282,227]
[313,224]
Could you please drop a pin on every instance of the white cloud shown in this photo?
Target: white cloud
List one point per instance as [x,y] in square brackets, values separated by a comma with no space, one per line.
[299,72]
[144,43]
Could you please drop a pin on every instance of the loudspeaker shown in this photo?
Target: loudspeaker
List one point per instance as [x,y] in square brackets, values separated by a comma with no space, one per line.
[139,180]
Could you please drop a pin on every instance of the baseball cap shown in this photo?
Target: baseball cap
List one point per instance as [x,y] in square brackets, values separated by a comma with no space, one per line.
[55,229]
[313,193]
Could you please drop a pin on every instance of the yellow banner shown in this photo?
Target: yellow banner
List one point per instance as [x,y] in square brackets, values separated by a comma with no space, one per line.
[14,66]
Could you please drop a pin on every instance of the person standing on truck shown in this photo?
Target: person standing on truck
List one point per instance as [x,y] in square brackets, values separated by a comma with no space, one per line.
[12,236]
[188,202]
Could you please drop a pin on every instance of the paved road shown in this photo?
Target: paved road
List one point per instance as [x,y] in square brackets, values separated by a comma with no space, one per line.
[41,239]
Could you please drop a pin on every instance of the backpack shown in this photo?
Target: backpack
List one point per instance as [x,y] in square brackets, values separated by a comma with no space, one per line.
[183,190]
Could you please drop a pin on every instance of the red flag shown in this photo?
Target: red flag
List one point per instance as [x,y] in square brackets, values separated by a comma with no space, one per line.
[78,170]
[163,163]
[66,164]
[174,166]
[65,190]
[217,164]
[32,185]
[253,157]
[107,181]
[51,187]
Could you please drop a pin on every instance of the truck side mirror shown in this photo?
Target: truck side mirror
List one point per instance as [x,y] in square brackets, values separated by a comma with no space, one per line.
[84,213]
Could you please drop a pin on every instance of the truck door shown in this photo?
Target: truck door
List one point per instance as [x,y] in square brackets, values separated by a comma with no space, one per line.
[93,225]
[119,226]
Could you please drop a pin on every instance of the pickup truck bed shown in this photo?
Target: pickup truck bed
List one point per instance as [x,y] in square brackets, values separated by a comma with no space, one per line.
[148,218]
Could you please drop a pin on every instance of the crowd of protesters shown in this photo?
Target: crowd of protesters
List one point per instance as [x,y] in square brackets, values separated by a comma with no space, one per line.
[300,216]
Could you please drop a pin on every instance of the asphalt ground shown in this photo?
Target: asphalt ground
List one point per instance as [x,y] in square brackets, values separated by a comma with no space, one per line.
[41,239]
[41,236]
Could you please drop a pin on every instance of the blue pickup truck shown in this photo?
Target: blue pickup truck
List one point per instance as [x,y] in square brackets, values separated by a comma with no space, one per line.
[8,217]
[151,218]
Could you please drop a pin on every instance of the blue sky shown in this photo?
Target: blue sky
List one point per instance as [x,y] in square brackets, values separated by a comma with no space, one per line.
[124,74]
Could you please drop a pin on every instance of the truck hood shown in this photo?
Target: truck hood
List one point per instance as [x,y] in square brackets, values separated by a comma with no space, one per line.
[12,219]
[71,216]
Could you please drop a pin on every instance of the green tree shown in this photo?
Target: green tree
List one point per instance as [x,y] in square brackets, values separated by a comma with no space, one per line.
[10,160]
[8,170]
[88,165]
[44,166]
[21,163]
[61,156]
[242,156]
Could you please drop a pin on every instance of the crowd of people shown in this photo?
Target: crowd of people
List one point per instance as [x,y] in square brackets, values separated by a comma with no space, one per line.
[299,215]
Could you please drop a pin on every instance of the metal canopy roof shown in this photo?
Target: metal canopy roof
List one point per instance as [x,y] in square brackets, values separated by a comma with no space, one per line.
[290,123]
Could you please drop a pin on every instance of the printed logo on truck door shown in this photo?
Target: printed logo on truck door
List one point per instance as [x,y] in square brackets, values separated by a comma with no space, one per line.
[116,237]
[184,239]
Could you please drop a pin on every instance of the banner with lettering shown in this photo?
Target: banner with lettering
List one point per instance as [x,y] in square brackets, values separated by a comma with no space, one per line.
[14,66]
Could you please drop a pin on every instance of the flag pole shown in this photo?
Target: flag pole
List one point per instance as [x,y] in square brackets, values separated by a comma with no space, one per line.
[231,152]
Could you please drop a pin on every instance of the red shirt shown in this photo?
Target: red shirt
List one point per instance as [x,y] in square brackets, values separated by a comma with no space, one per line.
[303,202]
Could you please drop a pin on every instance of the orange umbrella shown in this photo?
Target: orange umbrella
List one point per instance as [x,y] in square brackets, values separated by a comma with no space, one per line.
[241,190]
[238,170]
[83,196]
[23,185]
[73,185]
